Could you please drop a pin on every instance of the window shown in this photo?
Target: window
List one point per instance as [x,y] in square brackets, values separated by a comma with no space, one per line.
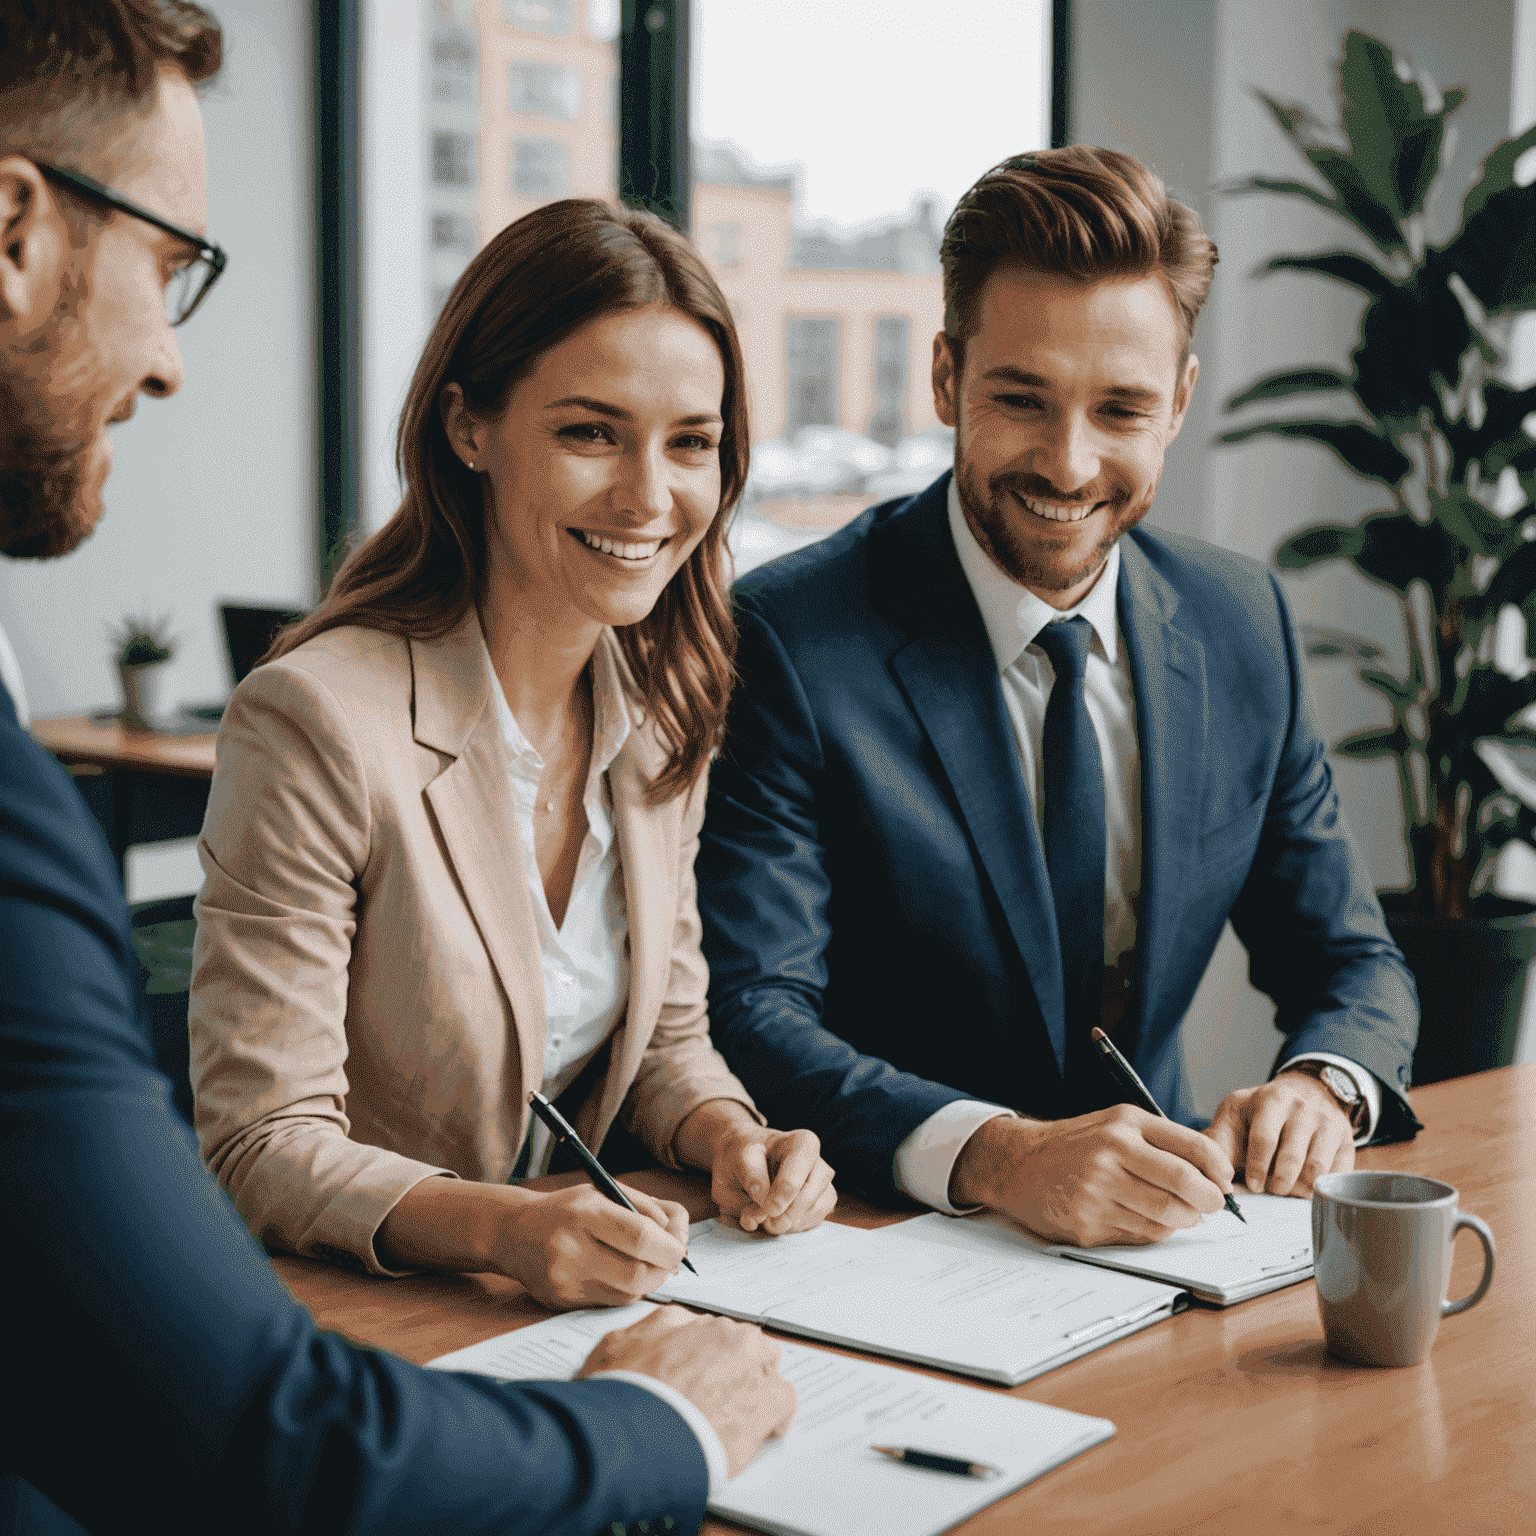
[812,371]
[454,60]
[893,348]
[540,168]
[454,232]
[830,140]
[544,90]
[549,18]
[453,159]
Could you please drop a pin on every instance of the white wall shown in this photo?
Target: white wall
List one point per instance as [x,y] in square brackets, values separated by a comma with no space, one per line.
[1172,82]
[212,493]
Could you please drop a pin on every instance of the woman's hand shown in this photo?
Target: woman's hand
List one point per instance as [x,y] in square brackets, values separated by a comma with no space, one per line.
[568,1247]
[576,1248]
[759,1177]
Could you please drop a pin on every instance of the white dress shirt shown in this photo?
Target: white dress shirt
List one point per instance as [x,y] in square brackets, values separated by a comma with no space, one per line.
[586,960]
[1013,617]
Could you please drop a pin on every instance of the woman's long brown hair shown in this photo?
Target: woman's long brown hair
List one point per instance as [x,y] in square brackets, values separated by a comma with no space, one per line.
[536,283]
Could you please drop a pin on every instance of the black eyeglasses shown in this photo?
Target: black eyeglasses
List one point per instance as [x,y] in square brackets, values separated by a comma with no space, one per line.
[189,284]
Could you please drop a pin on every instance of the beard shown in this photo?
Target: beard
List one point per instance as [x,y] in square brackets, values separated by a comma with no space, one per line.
[50,483]
[1005,531]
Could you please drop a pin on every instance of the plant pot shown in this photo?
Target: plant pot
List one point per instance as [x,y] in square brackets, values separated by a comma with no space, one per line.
[141,692]
[1471,977]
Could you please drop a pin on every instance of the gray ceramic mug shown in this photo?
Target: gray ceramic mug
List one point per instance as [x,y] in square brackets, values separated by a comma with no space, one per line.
[1381,1253]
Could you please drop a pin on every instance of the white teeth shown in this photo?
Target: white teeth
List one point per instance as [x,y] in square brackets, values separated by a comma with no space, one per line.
[1056,512]
[623,551]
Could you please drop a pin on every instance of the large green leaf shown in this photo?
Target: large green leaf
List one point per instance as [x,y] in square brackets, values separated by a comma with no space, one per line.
[1498,172]
[1357,199]
[1470,523]
[1396,550]
[1412,341]
[1297,381]
[1366,452]
[1495,252]
[1373,743]
[1383,682]
[1515,580]
[1345,266]
[1326,541]
[1395,140]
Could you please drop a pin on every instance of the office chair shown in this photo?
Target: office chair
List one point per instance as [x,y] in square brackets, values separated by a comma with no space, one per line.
[162,934]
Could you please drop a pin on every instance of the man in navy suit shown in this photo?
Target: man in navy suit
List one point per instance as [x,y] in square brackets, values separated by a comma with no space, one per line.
[157,1375]
[1002,763]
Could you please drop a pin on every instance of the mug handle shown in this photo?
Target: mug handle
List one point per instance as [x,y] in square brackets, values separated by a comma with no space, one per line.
[1451,1308]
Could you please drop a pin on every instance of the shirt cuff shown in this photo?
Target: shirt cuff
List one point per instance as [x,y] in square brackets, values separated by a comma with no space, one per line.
[925,1160]
[690,1414]
[1364,1080]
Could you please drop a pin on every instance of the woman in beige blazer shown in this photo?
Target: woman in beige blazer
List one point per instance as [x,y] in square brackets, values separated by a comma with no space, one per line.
[448,856]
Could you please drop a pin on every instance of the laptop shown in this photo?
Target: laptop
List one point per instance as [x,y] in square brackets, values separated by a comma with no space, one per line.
[248,631]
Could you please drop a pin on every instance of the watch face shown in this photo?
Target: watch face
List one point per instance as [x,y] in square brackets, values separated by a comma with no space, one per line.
[1340,1084]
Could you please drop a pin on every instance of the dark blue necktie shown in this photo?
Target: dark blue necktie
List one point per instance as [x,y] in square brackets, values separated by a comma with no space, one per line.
[1074,830]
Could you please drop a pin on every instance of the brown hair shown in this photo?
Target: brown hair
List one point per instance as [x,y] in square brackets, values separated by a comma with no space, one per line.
[535,284]
[72,71]
[1078,212]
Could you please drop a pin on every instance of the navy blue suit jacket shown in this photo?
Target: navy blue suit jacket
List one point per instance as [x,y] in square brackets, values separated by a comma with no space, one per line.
[877,915]
[157,1376]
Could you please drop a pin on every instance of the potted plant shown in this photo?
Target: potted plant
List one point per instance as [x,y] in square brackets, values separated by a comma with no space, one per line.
[143,645]
[1431,422]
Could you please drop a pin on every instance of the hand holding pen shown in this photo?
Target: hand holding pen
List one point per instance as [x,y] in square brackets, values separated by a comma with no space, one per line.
[1136,1090]
[565,1135]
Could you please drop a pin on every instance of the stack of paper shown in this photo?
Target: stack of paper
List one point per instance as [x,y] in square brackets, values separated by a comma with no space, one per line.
[982,1300]
[823,1478]
[1221,1260]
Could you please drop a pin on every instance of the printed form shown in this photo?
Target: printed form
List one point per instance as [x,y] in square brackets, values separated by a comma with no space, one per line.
[982,1300]
[823,1478]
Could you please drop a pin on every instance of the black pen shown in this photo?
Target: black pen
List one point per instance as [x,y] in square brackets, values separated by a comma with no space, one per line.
[954,1464]
[1125,1074]
[562,1130]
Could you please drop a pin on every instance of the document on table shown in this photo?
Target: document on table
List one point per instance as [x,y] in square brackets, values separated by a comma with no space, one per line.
[981,1300]
[823,1478]
[1221,1260]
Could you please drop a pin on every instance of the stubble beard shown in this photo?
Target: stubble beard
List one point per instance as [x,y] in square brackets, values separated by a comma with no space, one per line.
[50,491]
[999,532]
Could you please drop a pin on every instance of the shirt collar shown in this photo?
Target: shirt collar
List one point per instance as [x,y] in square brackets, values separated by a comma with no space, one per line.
[611,724]
[1012,613]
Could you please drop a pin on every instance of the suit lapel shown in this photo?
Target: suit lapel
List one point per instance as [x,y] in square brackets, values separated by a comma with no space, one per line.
[949,676]
[1168,675]
[472,802]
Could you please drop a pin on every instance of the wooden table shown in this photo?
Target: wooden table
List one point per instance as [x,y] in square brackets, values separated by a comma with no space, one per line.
[154,785]
[1228,1421]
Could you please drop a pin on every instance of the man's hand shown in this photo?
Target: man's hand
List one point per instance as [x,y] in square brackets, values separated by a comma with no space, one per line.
[1118,1175]
[728,1370]
[759,1177]
[1285,1134]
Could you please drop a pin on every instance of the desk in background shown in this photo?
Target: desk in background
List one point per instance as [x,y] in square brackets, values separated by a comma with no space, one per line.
[1230,1420]
[150,787]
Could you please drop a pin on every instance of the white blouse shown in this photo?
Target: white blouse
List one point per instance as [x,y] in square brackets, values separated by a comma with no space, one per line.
[586,960]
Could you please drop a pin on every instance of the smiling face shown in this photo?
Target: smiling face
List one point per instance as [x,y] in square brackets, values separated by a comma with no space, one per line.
[1066,400]
[83,329]
[602,473]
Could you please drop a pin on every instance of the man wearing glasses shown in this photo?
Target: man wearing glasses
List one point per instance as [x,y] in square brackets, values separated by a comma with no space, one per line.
[157,1375]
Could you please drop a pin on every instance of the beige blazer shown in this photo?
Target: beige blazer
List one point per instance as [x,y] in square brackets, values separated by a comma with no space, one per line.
[367,1003]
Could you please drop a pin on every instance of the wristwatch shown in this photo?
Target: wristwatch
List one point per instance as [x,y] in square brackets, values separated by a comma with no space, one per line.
[1340,1084]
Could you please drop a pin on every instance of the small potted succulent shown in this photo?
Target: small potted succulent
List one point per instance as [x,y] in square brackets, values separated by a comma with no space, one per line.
[143,645]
